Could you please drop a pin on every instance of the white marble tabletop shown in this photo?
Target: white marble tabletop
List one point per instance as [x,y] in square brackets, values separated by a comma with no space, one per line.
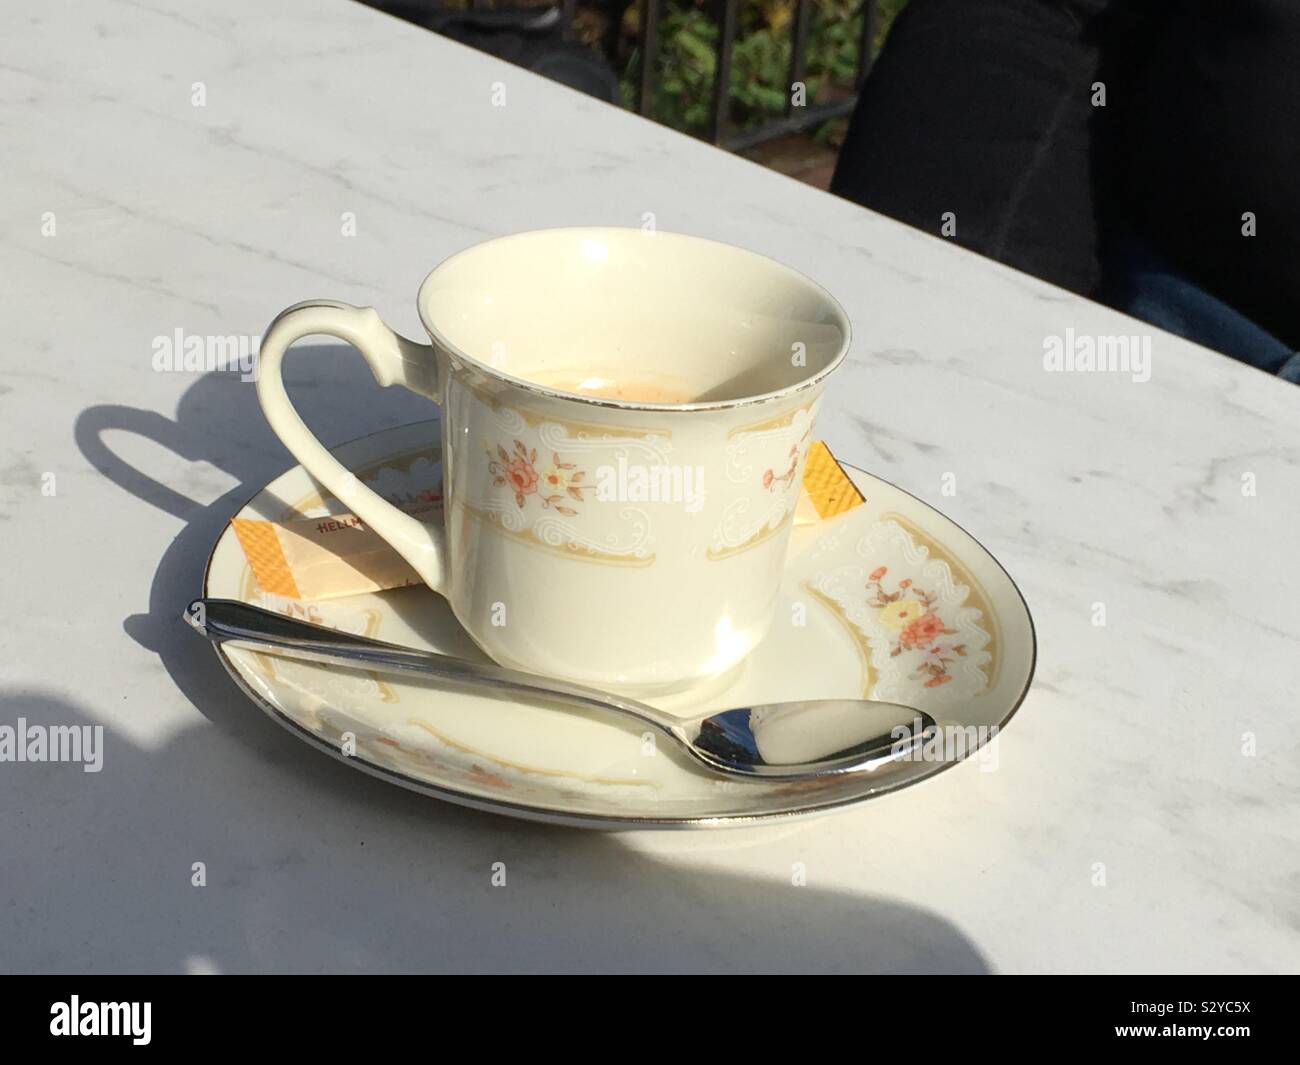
[197,166]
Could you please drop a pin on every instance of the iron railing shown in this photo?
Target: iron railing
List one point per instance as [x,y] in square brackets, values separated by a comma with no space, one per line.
[796,118]
[557,22]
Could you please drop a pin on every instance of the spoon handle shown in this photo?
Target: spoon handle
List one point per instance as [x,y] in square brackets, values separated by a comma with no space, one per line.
[227,620]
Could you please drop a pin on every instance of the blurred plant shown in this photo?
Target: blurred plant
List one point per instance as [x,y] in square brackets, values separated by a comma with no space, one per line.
[760,58]
[687,57]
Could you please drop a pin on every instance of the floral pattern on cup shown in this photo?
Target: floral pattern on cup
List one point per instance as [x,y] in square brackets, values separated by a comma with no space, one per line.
[554,487]
[532,476]
[910,612]
[774,481]
[760,505]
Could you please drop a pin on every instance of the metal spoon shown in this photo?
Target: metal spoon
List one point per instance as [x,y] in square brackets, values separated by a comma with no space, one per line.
[785,740]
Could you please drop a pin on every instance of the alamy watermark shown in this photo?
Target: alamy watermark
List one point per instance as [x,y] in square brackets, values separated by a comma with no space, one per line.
[77,1018]
[22,742]
[1086,353]
[948,743]
[630,482]
[180,352]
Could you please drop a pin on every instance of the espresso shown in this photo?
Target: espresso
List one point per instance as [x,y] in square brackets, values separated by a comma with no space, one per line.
[619,388]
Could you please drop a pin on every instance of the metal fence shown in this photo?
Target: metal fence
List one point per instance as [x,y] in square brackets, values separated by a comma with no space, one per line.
[485,23]
[795,118]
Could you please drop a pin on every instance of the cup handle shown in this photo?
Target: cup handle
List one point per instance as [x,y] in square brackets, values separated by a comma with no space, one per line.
[393,360]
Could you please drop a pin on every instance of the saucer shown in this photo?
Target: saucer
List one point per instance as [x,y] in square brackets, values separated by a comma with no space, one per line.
[888,601]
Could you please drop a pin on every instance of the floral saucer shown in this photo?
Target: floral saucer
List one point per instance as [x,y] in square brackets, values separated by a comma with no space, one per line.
[890,601]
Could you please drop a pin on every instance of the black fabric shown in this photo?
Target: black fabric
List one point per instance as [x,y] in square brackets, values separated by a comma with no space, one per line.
[1215,133]
[984,108]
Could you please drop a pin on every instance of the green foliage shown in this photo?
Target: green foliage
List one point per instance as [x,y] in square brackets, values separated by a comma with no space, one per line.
[760,59]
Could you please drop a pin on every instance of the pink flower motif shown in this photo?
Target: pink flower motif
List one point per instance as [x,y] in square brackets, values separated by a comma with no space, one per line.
[517,471]
[521,477]
[920,631]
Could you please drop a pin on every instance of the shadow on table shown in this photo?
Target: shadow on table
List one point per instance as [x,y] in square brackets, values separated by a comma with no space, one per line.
[311,866]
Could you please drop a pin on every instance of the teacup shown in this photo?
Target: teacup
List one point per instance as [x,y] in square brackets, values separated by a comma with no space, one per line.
[625,417]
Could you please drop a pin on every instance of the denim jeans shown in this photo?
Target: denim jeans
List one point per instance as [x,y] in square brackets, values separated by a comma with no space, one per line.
[1142,283]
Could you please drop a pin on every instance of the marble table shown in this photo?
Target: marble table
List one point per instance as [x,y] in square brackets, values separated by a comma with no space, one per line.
[197,166]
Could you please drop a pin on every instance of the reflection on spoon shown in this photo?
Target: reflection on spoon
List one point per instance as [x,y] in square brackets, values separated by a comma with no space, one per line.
[809,738]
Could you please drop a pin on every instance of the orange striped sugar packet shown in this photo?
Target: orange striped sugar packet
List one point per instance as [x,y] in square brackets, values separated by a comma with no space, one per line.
[827,489]
[330,556]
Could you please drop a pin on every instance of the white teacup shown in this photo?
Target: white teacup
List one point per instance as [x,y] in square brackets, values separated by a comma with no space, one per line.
[625,417]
